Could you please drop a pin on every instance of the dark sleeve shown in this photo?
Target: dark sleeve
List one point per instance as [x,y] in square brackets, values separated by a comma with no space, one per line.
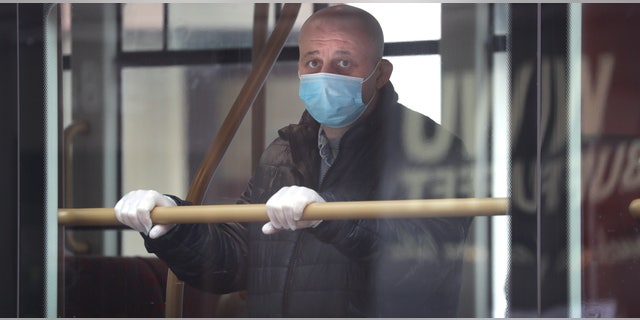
[371,239]
[211,257]
[375,239]
[410,261]
[415,263]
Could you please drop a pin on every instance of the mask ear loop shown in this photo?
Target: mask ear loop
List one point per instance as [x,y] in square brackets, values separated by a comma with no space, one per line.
[367,78]
[370,74]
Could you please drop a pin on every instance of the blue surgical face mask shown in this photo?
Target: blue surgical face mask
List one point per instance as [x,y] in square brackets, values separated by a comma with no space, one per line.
[332,99]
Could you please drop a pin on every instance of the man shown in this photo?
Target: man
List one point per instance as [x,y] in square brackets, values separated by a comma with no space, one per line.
[347,146]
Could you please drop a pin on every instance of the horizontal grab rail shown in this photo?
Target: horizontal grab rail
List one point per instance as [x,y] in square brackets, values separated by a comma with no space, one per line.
[316,211]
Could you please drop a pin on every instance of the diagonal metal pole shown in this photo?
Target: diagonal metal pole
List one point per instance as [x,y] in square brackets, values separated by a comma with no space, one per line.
[244,100]
[247,95]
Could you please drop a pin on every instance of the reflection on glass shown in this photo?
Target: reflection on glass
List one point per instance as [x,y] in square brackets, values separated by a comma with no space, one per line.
[610,159]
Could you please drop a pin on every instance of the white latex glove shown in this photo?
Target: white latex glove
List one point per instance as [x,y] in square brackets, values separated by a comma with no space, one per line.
[285,209]
[134,210]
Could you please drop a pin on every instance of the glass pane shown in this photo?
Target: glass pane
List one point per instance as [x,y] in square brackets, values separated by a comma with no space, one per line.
[417,79]
[168,115]
[306,9]
[65,27]
[142,26]
[153,112]
[424,19]
[610,138]
[578,108]
[500,186]
[501,16]
[221,25]
[210,26]
[184,107]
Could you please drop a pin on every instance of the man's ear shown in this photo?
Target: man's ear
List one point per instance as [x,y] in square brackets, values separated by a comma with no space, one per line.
[386,68]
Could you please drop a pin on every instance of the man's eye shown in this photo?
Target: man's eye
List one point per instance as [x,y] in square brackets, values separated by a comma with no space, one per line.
[343,63]
[313,64]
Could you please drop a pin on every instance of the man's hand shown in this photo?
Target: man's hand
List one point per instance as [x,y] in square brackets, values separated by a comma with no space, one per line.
[134,210]
[285,209]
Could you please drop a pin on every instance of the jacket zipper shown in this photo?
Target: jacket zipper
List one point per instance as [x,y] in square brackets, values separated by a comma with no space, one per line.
[289,278]
[296,251]
[298,247]
[331,168]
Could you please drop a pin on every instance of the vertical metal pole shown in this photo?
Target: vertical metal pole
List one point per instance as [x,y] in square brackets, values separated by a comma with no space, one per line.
[466,94]
[95,99]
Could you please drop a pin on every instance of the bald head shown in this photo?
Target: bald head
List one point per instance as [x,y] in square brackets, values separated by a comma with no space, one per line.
[353,20]
[347,41]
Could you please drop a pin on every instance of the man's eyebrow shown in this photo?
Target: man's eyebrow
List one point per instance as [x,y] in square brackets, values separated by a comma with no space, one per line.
[343,52]
[311,53]
[337,52]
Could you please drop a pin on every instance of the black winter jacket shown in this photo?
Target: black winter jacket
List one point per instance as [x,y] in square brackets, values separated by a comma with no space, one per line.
[341,268]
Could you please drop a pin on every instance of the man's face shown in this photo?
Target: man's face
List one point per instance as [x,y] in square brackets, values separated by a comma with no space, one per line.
[338,46]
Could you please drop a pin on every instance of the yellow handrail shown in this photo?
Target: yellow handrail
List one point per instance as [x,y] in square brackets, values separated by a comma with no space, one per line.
[634,208]
[316,211]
